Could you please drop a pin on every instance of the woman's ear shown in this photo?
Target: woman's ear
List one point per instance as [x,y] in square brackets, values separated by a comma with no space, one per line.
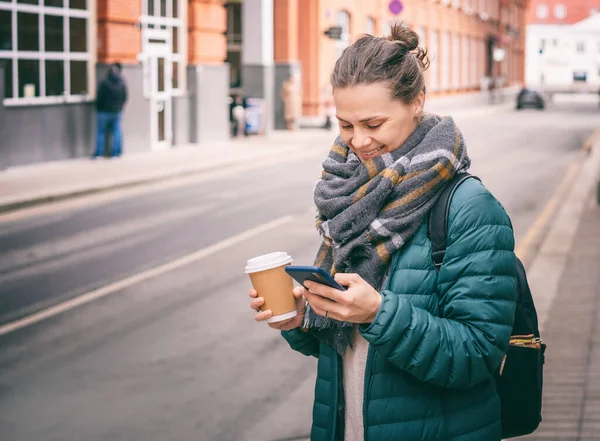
[419,104]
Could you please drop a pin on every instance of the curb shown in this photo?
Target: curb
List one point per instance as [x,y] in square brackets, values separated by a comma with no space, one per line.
[126,183]
[548,262]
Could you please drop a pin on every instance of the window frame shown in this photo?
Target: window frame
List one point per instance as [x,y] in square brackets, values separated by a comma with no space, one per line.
[370,23]
[434,68]
[343,18]
[41,56]
[171,23]
[542,7]
[563,11]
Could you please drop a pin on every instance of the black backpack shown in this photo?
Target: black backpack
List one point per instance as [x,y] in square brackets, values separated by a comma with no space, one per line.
[519,376]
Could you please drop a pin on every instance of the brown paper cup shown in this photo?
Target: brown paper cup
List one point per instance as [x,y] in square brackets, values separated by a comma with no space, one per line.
[272,283]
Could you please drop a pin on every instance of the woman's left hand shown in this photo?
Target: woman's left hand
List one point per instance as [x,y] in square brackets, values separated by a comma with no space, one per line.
[358,304]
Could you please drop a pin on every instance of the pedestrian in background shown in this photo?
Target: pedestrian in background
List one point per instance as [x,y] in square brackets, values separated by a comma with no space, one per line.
[238,116]
[292,101]
[110,100]
[406,352]
[329,113]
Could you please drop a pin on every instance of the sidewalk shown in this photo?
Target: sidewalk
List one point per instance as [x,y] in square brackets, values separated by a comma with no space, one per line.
[565,282]
[35,184]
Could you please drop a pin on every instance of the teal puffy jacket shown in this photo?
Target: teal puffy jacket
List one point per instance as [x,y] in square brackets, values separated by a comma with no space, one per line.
[437,339]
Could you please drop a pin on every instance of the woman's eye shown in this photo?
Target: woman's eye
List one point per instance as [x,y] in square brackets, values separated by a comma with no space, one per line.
[346,127]
[374,127]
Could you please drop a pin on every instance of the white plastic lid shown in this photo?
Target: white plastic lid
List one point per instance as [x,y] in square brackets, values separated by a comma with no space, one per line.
[268,261]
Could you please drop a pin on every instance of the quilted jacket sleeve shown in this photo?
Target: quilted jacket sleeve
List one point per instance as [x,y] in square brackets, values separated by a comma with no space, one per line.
[477,293]
[302,342]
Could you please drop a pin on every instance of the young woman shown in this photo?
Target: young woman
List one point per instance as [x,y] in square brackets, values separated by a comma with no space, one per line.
[407,353]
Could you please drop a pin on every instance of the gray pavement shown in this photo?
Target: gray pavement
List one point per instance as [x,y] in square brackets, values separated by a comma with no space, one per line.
[123,345]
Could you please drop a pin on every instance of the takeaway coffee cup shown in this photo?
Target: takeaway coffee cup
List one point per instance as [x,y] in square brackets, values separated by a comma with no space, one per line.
[272,283]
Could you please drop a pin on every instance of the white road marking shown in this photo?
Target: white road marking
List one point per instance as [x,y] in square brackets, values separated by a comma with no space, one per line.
[118,286]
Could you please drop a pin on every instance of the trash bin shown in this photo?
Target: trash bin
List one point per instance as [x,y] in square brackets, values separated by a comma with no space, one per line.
[255,116]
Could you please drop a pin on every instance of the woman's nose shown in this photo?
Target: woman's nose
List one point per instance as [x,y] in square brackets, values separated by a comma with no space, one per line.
[360,139]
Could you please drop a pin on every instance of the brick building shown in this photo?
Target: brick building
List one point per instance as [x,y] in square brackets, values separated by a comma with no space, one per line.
[183,58]
[563,45]
[561,12]
[53,53]
[461,36]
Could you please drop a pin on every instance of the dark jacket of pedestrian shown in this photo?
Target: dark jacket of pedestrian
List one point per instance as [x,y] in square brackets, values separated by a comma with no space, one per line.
[112,93]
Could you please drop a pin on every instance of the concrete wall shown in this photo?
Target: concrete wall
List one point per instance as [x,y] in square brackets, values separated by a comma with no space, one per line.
[31,134]
[208,88]
[182,119]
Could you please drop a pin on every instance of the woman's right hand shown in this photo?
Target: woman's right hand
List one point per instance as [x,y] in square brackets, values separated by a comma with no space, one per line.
[285,325]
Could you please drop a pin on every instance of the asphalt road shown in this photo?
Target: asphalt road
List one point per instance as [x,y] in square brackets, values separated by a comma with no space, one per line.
[178,356]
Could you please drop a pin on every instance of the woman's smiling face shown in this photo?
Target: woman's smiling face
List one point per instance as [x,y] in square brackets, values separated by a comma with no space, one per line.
[372,122]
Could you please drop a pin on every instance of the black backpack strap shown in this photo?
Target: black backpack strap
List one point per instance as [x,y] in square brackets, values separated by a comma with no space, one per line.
[438,218]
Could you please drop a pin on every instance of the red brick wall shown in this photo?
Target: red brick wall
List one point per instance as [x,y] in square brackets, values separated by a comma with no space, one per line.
[119,39]
[577,10]
[207,22]
[286,30]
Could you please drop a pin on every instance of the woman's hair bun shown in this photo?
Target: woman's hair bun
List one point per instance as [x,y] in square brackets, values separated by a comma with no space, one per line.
[408,39]
[404,36]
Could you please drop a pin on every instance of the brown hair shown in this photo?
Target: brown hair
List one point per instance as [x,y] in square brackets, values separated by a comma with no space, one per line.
[396,59]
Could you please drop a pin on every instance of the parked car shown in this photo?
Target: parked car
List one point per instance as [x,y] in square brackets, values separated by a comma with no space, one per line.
[530,98]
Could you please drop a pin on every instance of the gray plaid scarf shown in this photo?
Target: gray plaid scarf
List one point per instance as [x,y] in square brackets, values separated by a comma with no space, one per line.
[369,210]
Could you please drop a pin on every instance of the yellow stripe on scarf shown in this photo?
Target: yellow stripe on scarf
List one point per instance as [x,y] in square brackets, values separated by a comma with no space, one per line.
[388,173]
[443,174]
[340,150]
[371,168]
[382,251]
[322,255]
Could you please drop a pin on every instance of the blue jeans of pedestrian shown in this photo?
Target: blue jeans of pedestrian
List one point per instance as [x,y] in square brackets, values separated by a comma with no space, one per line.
[109,121]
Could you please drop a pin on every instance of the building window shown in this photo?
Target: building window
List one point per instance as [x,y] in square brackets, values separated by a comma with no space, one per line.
[434,68]
[165,15]
[542,11]
[580,47]
[456,59]
[420,30]
[483,8]
[445,53]
[45,51]
[342,20]
[580,76]
[370,26]
[233,35]
[474,81]
[466,55]
[560,11]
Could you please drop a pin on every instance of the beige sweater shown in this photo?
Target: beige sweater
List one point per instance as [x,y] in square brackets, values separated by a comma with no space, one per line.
[355,363]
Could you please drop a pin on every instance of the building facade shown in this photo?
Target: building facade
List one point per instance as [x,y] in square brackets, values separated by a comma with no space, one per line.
[461,37]
[184,59]
[563,45]
[53,53]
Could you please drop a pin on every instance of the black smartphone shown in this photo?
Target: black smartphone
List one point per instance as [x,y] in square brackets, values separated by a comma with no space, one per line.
[313,274]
